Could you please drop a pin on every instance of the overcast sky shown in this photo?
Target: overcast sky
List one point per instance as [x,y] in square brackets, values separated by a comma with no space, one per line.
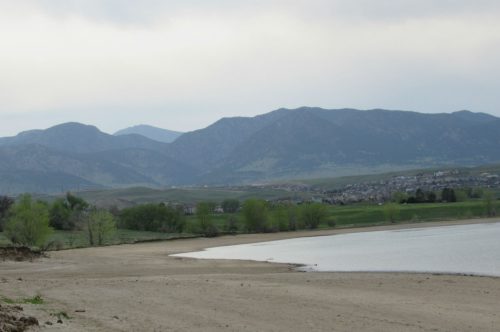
[184,64]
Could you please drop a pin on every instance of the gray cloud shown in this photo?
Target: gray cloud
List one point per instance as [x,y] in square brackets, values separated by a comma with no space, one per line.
[184,64]
[148,11]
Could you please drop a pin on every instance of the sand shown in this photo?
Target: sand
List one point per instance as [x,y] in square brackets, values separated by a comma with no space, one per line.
[141,288]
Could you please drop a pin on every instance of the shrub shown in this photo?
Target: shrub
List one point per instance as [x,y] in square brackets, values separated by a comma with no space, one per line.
[391,212]
[230,205]
[29,223]
[60,216]
[204,215]
[331,222]
[153,217]
[255,212]
[67,213]
[312,215]
[231,225]
[489,203]
[100,226]
[5,204]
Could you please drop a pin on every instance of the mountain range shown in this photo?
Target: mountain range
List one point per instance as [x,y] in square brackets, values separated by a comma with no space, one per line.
[283,144]
[154,133]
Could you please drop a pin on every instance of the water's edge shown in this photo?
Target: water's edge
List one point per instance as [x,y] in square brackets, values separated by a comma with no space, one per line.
[467,250]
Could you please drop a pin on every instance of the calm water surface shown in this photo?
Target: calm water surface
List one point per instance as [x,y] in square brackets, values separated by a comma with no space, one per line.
[470,249]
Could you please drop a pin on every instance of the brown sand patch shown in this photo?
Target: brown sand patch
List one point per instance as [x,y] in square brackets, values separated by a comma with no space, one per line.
[141,288]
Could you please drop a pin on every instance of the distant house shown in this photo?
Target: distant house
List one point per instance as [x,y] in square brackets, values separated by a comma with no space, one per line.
[189,210]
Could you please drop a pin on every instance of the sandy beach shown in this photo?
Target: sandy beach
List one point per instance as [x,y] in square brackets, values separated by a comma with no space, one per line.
[141,288]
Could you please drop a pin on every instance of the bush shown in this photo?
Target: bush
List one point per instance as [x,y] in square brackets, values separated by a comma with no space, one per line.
[100,226]
[286,217]
[66,213]
[29,223]
[230,205]
[489,203]
[204,212]
[331,222]
[5,204]
[153,217]
[231,225]
[312,215]
[60,216]
[391,212]
[255,212]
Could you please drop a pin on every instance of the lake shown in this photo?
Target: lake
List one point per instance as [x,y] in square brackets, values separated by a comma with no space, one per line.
[467,249]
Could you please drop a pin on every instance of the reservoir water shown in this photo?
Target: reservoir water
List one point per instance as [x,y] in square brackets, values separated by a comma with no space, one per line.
[468,249]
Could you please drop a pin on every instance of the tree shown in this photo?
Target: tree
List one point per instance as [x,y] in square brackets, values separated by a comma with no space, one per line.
[231,225]
[76,203]
[5,204]
[230,205]
[280,218]
[204,212]
[420,196]
[312,215]
[28,223]
[391,212]
[153,218]
[100,226]
[489,203]
[66,213]
[431,197]
[293,217]
[461,195]
[399,197]
[448,195]
[60,215]
[255,212]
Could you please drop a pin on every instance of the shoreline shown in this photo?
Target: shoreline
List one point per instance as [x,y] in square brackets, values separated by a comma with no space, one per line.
[247,238]
[139,287]
[217,252]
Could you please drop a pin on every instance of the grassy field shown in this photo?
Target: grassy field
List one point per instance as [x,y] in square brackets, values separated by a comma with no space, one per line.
[365,215]
[373,214]
[78,239]
[139,195]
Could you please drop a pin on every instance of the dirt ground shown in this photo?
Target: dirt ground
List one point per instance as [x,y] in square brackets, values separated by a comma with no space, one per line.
[141,288]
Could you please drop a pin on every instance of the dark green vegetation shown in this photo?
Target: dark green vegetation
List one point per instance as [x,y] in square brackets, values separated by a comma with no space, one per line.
[28,223]
[153,217]
[283,144]
[78,224]
[205,224]
[5,204]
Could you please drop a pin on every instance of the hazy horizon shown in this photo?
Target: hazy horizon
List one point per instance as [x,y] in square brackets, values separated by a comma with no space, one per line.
[156,126]
[182,65]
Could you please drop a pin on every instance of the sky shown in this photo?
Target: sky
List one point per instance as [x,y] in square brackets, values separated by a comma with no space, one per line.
[184,64]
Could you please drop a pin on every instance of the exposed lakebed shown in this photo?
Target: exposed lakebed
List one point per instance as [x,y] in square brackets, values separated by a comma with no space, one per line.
[464,249]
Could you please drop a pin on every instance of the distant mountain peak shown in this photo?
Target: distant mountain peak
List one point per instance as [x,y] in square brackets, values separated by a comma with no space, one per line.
[151,132]
[282,144]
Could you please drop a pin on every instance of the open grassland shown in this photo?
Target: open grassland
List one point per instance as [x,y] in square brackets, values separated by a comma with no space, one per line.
[140,195]
[368,215]
[78,239]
